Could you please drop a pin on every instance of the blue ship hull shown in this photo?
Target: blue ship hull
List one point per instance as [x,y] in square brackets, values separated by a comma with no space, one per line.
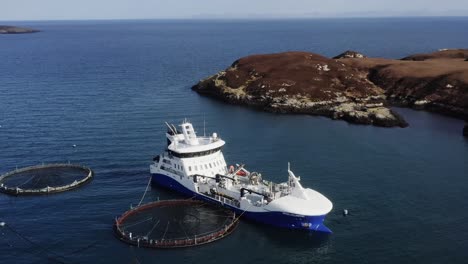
[277,219]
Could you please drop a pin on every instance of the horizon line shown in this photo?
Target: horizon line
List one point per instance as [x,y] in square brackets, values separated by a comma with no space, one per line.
[236,18]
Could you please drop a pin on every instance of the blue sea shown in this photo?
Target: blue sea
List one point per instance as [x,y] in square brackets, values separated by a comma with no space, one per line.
[109,86]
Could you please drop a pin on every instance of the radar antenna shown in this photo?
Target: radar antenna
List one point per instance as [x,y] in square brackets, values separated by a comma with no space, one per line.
[170,128]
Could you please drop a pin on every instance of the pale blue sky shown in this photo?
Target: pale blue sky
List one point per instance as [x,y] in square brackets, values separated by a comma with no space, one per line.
[252,9]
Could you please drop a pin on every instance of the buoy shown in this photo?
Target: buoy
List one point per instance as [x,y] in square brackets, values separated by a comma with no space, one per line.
[74,145]
[2,224]
[345,212]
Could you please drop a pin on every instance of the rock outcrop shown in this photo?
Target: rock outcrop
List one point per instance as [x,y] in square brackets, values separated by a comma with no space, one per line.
[302,82]
[437,83]
[351,87]
[16,30]
[350,54]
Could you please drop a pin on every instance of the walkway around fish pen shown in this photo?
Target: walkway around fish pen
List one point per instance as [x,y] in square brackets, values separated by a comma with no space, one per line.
[47,190]
[195,240]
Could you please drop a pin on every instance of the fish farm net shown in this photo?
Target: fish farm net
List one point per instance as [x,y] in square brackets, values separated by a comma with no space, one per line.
[44,179]
[175,223]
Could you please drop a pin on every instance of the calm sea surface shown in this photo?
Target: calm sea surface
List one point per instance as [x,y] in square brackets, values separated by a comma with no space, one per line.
[108,87]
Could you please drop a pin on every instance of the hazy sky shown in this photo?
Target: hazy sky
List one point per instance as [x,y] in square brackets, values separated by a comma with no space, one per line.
[138,9]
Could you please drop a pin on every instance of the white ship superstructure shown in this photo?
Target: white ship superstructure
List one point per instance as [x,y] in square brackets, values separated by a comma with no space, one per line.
[195,166]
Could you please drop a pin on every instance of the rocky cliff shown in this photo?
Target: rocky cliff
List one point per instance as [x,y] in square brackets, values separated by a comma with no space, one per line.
[16,30]
[349,87]
[436,82]
[350,54]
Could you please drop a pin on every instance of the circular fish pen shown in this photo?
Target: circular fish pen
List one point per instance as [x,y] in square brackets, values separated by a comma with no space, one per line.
[44,179]
[175,224]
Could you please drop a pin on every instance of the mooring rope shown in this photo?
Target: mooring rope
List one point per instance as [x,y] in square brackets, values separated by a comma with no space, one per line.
[144,194]
[57,258]
[191,198]
[137,223]
[137,261]
[151,231]
[211,214]
[237,218]
[183,229]
[167,226]
[28,180]
[83,248]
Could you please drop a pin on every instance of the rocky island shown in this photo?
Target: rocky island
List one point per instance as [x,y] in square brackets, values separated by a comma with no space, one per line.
[16,30]
[349,86]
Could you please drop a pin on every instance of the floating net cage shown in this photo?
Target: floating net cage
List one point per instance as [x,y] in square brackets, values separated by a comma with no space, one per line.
[175,224]
[44,179]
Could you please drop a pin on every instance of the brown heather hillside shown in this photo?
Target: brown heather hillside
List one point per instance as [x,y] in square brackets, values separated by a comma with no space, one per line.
[350,86]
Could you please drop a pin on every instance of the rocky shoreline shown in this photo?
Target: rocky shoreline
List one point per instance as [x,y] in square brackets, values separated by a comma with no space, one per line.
[16,30]
[349,86]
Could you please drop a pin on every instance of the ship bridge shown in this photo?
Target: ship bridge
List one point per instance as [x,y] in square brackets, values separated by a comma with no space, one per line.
[186,144]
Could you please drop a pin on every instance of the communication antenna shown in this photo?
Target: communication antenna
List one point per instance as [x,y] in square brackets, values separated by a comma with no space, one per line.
[204,133]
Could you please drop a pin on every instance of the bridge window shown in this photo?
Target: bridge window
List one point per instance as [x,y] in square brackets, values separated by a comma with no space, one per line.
[194,154]
[189,168]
